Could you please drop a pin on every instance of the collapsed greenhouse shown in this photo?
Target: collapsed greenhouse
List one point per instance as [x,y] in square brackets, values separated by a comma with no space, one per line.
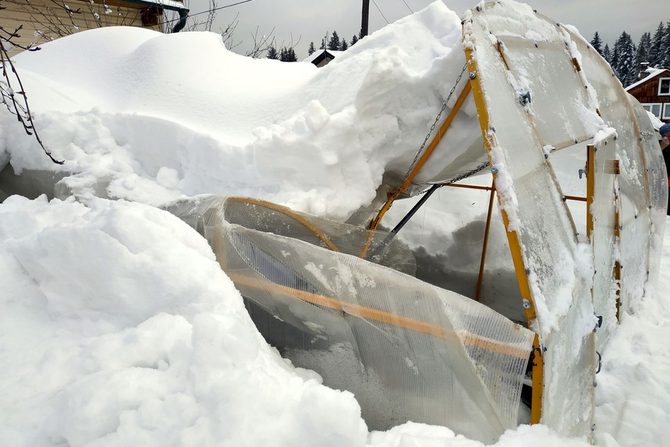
[411,351]
[353,302]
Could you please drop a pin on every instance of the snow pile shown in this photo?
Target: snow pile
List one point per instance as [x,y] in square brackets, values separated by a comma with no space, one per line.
[136,125]
[633,393]
[110,334]
[418,435]
[119,328]
[117,325]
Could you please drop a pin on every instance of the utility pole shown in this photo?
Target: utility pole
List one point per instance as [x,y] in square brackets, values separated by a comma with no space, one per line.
[366,16]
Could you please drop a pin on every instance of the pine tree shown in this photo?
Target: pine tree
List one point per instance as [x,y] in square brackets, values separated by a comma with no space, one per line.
[334,42]
[614,60]
[344,45]
[324,40]
[287,54]
[354,40]
[607,54]
[666,46]
[624,59]
[642,54]
[311,49]
[272,53]
[597,43]
[656,52]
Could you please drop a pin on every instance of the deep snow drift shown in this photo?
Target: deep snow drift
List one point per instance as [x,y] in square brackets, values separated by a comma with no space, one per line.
[118,327]
[112,336]
[153,117]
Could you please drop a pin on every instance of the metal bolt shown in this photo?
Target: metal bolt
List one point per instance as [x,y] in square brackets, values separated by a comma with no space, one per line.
[526,304]
[473,75]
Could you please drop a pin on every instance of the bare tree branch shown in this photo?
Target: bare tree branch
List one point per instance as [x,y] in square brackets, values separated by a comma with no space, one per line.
[228,33]
[52,25]
[262,42]
[12,93]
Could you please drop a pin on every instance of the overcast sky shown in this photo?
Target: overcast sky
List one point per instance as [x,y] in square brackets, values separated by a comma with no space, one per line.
[308,20]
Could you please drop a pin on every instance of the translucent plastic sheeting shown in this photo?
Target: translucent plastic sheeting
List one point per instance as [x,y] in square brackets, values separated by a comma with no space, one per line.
[406,349]
[603,238]
[540,72]
[519,84]
[452,260]
[658,191]
[458,153]
[642,188]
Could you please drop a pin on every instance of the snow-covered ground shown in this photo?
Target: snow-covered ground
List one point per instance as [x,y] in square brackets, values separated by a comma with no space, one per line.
[118,327]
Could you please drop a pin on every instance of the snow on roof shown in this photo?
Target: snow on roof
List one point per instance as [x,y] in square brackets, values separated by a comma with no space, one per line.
[173,5]
[317,53]
[653,72]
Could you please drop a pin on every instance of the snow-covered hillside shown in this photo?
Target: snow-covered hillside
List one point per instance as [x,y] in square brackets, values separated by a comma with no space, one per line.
[117,325]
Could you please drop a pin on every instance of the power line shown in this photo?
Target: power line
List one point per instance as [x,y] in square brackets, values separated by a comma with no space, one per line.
[380,11]
[212,10]
[410,9]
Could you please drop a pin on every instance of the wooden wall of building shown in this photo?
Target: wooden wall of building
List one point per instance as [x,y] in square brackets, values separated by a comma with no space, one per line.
[648,91]
[45,20]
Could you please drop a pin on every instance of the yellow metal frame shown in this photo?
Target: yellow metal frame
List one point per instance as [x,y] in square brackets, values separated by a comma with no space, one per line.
[381,316]
[514,244]
[485,244]
[417,167]
[322,236]
[590,186]
[617,235]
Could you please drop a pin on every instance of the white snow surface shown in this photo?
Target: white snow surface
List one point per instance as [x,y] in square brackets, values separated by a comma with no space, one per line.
[119,328]
[154,117]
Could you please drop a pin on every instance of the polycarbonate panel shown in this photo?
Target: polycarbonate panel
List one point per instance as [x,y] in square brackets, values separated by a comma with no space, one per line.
[406,349]
[500,288]
[635,229]
[658,190]
[641,182]
[603,240]
[451,260]
[338,236]
[531,197]
[540,73]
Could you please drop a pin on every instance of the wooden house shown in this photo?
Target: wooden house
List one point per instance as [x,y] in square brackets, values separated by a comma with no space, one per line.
[653,92]
[45,20]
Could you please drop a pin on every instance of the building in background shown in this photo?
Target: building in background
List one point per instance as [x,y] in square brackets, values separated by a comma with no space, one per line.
[41,21]
[653,92]
[322,58]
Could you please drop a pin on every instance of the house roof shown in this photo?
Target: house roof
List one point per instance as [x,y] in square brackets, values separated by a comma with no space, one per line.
[653,72]
[319,55]
[170,5]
